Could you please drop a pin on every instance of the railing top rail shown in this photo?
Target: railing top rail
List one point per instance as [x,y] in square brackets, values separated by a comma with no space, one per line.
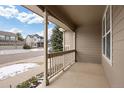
[60,53]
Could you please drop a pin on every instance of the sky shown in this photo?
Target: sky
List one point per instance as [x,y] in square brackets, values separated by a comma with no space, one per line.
[19,19]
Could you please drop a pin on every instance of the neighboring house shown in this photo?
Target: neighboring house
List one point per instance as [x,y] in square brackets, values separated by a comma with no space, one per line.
[9,40]
[7,36]
[50,46]
[34,41]
[38,40]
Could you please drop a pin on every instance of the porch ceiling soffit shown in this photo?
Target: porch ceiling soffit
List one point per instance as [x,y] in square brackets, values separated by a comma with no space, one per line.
[79,15]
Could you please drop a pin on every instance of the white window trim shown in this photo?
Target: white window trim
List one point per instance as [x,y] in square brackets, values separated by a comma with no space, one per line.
[110,31]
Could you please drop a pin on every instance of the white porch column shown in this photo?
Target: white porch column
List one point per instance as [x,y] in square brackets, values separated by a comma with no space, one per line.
[63,40]
[46,82]
[74,45]
[63,49]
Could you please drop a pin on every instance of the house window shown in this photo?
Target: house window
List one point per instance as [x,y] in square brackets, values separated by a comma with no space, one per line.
[107,34]
[12,38]
[2,37]
[7,38]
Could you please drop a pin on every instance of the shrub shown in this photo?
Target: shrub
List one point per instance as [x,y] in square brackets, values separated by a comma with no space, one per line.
[25,84]
[26,46]
[34,80]
[31,83]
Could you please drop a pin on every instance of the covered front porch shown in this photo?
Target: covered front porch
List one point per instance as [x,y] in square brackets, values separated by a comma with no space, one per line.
[79,64]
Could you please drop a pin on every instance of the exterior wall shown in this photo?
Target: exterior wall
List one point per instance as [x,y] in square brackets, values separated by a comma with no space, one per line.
[11,45]
[88,44]
[115,73]
[28,41]
[69,40]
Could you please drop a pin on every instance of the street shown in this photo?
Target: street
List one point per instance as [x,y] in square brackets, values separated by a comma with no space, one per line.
[19,56]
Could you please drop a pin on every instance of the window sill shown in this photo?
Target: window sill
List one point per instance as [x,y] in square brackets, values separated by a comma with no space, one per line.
[108,60]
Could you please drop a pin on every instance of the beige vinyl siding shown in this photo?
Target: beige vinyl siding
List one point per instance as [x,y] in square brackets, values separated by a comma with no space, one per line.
[88,44]
[69,40]
[115,73]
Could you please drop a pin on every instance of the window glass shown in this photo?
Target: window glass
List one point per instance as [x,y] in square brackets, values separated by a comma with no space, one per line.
[108,45]
[103,27]
[106,34]
[2,37]
[108,19]
[7,38]
[104,45]
[12,38]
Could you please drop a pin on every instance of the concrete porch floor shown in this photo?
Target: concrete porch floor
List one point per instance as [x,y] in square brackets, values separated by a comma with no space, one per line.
[81,75]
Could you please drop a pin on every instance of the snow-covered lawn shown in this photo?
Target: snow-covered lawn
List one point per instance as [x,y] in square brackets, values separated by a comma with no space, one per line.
[12,70]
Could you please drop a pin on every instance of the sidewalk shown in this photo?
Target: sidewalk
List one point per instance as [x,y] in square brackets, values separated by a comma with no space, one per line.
[23,76]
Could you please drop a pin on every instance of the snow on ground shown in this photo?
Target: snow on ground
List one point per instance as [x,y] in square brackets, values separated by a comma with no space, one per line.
[15,51]
[36,49]
[12,70]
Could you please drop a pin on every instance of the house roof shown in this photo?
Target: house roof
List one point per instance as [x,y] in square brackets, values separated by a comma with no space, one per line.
[35,35]
[30,36]
[7,33]
[38,36]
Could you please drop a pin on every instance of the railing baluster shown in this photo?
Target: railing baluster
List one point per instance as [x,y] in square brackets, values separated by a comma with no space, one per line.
[63,62]
[50,66]
[55,64]
[58,61]
[65,57]
[52,63]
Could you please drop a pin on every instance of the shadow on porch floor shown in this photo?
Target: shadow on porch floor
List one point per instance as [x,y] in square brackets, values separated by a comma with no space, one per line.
[81,75]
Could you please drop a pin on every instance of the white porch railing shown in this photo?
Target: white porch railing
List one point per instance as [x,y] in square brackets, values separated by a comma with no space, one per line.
[59,61]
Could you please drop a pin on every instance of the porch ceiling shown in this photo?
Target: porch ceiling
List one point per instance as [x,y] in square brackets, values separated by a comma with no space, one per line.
[79,14]
[72,15]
